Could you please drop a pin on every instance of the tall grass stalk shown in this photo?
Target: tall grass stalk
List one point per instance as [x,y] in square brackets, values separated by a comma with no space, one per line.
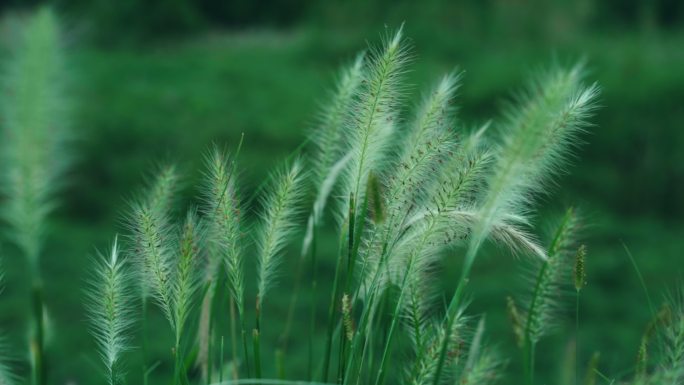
[111,311]
[540,311]
[375,113]
[158,198]
[167,258]
[35,134]
[280,210]
[224,209]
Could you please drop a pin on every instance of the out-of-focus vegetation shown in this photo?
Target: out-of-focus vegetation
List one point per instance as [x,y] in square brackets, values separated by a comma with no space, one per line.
[163,80]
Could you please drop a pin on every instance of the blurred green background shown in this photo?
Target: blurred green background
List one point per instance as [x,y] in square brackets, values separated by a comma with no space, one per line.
[160,81]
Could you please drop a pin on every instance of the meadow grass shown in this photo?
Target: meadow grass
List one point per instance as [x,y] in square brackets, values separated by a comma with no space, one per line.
[404,195]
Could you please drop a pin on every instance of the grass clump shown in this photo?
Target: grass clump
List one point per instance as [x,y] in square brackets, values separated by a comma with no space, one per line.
[406,192]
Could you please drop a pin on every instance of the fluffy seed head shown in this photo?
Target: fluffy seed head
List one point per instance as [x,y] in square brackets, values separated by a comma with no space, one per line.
[538,137]
[278,222]
[551,276]
[109,300]
[35,131]
[224,211]
[374,115]
[185,281]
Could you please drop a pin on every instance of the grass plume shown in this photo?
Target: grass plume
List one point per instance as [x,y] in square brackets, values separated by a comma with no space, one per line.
[374,113]
[224,212]
[35,111]
[278,222]
[111,311]
[35,131]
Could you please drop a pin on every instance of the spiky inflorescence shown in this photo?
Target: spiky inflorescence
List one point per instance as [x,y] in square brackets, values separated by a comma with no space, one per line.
[429,143]
[579,272]
[417,312]
[277,224]
[328,137]
[423,370]
[374,115]
[110,310]
[34,131]
[671,368]
[537,138]
[149,225]
[331,152]
[482,364]
[462,176]
[161,194]
[152,235]
[485,370]
[185,277]
[347,320]
[423,230]
[224,213]
[552,275]
[456,174]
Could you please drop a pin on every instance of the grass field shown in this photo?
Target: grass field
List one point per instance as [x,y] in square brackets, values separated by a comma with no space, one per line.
[170,102]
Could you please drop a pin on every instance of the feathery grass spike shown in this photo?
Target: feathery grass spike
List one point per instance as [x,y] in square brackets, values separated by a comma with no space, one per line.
[186,279]
[542,306]
[110,311]
[537,138]
[671,370]
[328,137]
[375,113]
[347,317]
[154,253]
[35,131]
[224,210]
[428,143]
[426,361]
[486,369]
[162,193]
[149,225]
[278,222]
[33,146]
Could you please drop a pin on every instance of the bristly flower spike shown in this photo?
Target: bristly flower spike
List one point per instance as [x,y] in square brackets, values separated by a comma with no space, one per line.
[278,222]
[110,311]
[579,270]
